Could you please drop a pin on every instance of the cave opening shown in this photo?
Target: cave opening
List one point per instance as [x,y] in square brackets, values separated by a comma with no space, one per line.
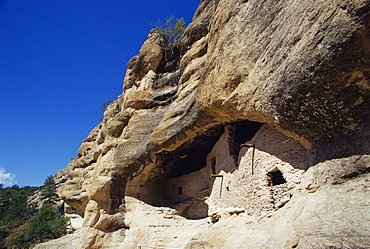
[192,156]
[182,175]
[243,132]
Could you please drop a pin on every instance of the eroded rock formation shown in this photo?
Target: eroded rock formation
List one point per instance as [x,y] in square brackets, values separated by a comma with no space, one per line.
[252,131]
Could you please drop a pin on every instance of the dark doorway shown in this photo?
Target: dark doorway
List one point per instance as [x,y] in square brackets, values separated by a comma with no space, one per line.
[277,178]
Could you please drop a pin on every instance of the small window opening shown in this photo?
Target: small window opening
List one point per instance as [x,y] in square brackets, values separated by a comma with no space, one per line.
[213,165]
[179,190]
[277,178]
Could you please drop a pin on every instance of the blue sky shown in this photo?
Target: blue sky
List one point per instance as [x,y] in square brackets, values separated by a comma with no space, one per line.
[59,61]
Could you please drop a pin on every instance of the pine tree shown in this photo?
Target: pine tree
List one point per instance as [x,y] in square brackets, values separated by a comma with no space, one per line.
[16,238]
[14,214]
[179,28]
[48,224]
[48,191]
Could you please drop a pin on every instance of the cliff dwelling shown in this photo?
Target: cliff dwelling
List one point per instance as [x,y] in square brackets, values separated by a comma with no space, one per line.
[196,170]
[243,165]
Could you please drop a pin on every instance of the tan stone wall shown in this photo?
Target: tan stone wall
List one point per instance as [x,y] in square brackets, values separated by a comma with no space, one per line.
[248,184]
[191,185]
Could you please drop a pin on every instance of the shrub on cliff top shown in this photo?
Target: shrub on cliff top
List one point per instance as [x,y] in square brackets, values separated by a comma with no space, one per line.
[174,27]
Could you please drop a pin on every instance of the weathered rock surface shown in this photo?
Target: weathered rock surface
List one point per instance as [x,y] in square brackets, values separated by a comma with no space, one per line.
[252,131]
[299,65]
[66,242]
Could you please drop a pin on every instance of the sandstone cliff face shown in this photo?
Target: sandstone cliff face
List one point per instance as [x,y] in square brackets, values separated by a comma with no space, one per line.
[251,132]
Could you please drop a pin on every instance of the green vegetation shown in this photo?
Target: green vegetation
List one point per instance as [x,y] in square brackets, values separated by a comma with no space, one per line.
[174,28]
[104,107]
[47,192]
[47,224]
[106,104]
[22,225]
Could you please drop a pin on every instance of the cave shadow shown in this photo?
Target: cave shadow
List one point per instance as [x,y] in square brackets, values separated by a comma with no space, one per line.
[183,183]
